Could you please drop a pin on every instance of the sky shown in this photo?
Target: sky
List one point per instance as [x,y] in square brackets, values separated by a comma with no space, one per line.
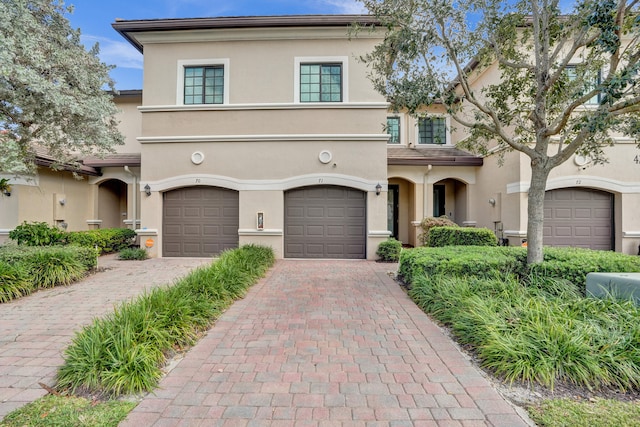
[94,18]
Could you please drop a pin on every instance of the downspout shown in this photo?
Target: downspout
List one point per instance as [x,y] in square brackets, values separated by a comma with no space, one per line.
[135,196]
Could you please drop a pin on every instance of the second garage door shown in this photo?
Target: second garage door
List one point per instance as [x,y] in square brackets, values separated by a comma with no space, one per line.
[578,217]
[325,222]
[199,221]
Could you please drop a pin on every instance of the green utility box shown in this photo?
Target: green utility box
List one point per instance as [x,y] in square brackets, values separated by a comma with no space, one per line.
[620,285]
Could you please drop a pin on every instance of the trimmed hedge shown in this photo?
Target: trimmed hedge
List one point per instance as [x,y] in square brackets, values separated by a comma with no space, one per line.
[24,269]
[429,222]
[123,353]
[461,236]
[106,239]
[568,264]
[389,250]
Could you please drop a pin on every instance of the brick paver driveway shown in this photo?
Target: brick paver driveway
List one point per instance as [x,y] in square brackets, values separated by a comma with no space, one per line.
[325,343]
[36,329]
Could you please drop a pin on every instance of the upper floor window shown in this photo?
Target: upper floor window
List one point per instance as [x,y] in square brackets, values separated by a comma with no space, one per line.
[204,85]
[591,81]
[393,129]
[320,82]
[432,130]
[203,82]
[321,79]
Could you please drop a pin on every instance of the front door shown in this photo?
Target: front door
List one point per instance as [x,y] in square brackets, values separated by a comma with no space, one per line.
[392,210]
[438,201]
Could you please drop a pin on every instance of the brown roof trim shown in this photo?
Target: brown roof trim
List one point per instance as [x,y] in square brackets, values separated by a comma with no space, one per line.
[81,169]
[438,161]
[126,27]
[113,160]
[130,93]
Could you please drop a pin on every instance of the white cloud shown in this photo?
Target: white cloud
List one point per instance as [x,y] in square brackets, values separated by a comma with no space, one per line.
[118,53]
[349,7]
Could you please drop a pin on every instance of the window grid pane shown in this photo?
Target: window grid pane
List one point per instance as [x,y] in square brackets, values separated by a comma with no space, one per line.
[204,85]
[321,83]
[393,129]
[592,81]
[432,131]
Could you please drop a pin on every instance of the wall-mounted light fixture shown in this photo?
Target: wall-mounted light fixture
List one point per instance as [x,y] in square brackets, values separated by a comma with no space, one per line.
[147,190]
[378,189]
[62,202]
[6,193]
[492,202]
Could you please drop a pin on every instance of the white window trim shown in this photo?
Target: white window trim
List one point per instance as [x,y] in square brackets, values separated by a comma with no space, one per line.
[202,63]
[447,134]
[298,60]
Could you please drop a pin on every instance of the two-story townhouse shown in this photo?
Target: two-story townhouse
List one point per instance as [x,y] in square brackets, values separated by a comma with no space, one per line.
[263,130]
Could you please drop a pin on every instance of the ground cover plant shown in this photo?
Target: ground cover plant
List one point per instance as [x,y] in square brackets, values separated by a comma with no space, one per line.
[599,412]
[24,269]
[65,411]
[133,254]
[123,353]
[533,326]
[106,240]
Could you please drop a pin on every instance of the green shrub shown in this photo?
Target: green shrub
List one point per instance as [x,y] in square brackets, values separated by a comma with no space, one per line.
[123,353]
[429,222]
[129,254]
[14,282]
[389,250]
[460,261]
[50,266]
[531,324]
[461,236]
[526,334]
[37,234]
[573,264]
[107,240]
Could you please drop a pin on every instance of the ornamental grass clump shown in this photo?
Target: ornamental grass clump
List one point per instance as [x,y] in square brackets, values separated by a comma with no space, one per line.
[123,353]
[14,282]
[536,329]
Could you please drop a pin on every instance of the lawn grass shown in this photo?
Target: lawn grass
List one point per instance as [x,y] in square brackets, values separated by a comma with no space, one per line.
[60,411]
[598,413]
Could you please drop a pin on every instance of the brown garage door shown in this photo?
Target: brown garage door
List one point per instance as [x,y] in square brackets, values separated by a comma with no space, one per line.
[578,217]
[325,222]
[199,221]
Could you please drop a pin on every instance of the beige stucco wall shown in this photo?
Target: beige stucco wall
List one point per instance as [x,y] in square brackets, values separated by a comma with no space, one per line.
[261,71]
[129,123]
[40,200]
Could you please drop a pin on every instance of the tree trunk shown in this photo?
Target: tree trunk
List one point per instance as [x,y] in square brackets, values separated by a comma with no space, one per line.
[535,213]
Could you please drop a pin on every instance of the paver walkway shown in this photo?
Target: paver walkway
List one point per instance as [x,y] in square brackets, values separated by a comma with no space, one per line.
[325,343]
[35,330]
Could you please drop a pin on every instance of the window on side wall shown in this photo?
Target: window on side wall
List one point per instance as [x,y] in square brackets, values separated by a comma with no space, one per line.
[591,81]
[393,129]
[321,82]
[432,130]
[204,85]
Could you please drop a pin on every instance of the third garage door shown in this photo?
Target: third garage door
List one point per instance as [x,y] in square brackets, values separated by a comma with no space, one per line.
[578,217]
[325,222]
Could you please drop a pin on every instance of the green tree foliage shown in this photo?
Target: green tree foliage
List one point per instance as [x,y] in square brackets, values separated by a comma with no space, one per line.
[567,81]
[52,90]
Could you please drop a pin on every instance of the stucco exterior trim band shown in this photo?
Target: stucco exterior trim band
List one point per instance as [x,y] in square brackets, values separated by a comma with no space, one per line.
[379,233]
[580,181]
[265,185]
[258,138]
[265,106]
[253,232]
[515,233]
[631,234]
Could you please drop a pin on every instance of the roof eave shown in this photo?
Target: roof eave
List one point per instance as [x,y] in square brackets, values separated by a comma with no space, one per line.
[127,28]
[437,161]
